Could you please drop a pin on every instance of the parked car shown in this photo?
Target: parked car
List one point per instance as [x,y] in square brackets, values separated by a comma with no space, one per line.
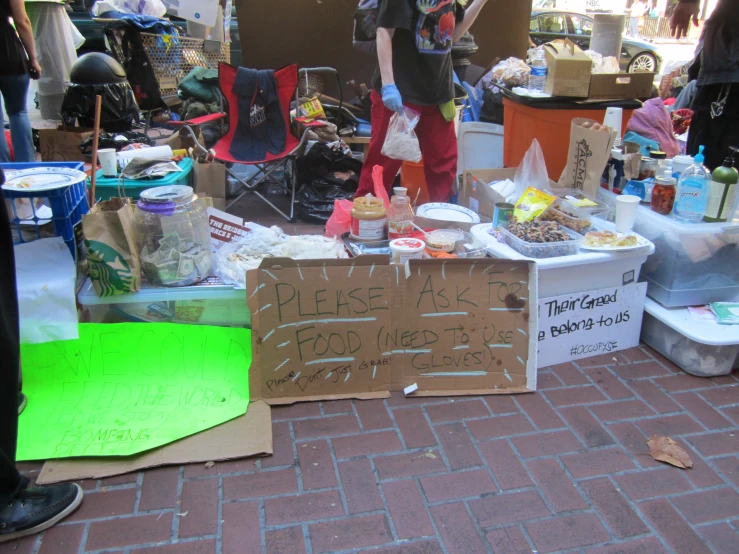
[79,13]
[549,25]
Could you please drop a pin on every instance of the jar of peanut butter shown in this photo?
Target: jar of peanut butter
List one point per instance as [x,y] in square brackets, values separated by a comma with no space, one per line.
[369,219]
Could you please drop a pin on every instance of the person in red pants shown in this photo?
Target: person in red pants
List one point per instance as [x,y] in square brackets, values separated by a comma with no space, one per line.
[414,45]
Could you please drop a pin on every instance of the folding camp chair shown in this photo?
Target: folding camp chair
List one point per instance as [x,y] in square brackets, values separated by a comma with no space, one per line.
[287,89]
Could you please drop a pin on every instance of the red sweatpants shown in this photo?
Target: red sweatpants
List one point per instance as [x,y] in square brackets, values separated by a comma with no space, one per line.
[438,143]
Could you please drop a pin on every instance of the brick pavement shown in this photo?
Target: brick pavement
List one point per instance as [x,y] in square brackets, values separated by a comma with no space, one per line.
[565,469]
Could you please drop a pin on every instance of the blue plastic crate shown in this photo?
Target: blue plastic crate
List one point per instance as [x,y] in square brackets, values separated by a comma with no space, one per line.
[67,204]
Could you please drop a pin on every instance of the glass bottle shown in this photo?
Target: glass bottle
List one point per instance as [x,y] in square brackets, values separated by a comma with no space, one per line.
[400,215]
[722,195]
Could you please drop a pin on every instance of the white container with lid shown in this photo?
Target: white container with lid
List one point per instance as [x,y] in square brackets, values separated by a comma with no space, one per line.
[680,164]
[407,249]
[701,348]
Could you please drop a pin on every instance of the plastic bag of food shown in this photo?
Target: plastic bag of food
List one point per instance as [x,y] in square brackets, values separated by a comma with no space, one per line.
[401,142]
[532,204]
[512,72]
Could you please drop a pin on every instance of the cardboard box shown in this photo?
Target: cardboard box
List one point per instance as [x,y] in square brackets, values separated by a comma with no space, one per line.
[475,194]
[569,69]
[620,86]
[63,144]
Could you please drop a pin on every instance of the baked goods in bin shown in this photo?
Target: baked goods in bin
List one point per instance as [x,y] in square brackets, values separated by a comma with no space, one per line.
[563,216]
[596,239]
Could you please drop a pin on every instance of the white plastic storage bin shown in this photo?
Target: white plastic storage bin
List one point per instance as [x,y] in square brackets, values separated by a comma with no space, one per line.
[580,272]
[207,303]
[694,263]
[701,348]
[480,146]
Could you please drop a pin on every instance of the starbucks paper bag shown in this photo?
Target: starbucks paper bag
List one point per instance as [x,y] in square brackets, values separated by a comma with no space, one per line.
[110,241]
[590,148]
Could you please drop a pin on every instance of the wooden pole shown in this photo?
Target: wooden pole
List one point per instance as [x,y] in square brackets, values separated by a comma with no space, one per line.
[95,138]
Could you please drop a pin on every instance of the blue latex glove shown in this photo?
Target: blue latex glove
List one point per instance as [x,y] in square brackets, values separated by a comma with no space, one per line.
[391,98]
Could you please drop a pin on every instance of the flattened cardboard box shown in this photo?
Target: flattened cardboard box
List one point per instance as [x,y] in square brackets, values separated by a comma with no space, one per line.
[247,435]
[360,328]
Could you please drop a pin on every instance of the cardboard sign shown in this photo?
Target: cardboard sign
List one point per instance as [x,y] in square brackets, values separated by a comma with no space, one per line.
[582,325]
[360,328]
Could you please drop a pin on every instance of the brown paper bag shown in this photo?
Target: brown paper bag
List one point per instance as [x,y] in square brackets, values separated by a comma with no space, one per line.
[587,156]
[110,242]
[209,179]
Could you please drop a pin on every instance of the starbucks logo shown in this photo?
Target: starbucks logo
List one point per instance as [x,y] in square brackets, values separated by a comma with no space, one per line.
[108,269]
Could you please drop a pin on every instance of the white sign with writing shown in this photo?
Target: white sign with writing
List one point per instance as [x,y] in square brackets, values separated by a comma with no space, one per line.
[576,326]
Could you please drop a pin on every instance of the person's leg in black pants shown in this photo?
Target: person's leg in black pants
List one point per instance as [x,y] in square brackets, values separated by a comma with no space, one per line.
[10,480]
[23,511]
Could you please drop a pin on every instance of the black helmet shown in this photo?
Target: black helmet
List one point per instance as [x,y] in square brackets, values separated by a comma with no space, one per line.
[97,68]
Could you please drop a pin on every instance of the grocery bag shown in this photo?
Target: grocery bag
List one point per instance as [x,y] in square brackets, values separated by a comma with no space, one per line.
[110,242]
[590,149]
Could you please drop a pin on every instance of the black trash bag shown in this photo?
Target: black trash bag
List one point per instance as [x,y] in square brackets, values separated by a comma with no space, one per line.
[492,106]
[326,175]
[115,140]
[119,108]
[314,203]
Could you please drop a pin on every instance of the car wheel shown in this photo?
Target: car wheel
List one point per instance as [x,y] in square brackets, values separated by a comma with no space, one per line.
[643,62]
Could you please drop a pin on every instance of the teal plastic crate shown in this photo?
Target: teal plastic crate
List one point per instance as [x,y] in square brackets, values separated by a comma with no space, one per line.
[109,187]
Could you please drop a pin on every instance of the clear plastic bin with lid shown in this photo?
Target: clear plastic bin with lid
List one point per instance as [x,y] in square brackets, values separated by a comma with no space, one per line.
[693,264]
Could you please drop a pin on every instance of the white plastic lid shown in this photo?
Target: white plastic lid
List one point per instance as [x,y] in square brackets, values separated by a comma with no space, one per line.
[407,246]
[400,191]
[704,332]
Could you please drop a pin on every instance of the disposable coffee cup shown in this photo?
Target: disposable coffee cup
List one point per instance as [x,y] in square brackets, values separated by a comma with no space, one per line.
[627,207]
[109,161]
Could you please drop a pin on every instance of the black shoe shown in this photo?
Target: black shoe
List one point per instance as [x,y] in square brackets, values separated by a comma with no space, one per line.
[36,509]
[22,401]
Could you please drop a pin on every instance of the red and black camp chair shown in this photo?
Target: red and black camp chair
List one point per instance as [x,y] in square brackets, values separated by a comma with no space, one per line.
[287,90]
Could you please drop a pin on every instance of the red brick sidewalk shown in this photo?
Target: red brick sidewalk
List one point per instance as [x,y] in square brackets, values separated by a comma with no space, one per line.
[563,470]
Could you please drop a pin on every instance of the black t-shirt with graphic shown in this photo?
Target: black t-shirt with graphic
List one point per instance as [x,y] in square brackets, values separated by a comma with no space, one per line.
[422,46]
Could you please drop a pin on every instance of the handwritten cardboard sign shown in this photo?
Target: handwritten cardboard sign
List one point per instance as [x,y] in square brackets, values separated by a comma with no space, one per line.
[125,388]
[576,326]
[360,328]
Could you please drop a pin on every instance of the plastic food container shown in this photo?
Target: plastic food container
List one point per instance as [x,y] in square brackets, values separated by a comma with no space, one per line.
[173,236]
[369,219]
[406,249]
[443,240]
[543,249]
[571,196]
[701,348]
[568,216]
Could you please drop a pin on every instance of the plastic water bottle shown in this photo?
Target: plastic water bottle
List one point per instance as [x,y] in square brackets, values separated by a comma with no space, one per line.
[692,191]
[538,77]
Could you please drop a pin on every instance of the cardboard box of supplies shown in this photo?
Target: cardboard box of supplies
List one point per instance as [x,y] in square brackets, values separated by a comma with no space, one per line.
[63,145]
[620,86]
[569,69]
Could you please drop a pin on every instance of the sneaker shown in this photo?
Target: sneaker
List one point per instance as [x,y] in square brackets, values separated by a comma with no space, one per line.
[36,509]
[22,401]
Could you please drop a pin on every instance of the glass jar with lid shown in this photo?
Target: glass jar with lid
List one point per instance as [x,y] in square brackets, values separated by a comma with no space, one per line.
[663,194]
[173,236]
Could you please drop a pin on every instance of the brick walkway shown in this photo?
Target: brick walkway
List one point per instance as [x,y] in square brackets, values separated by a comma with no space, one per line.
[563,470]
